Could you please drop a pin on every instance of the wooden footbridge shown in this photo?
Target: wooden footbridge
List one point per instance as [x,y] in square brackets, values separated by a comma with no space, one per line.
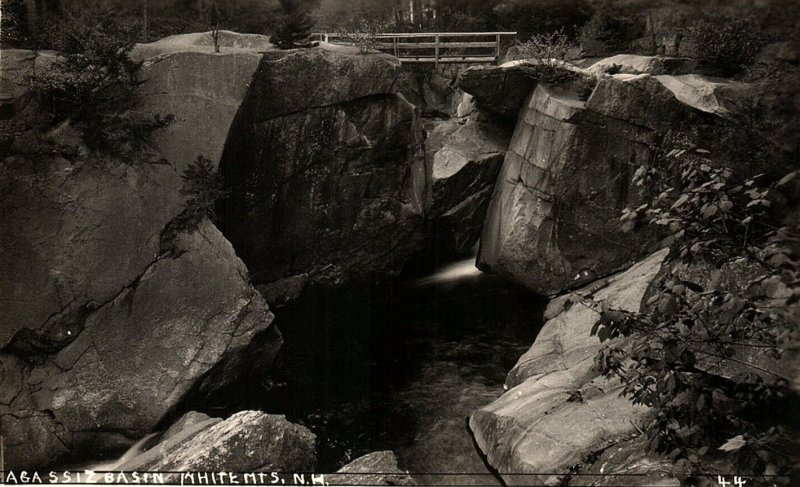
[436,47]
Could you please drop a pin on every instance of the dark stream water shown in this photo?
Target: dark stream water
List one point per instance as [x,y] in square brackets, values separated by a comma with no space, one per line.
[397,366]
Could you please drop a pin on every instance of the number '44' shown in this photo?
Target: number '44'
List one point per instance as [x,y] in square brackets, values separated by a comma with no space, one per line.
[737,482]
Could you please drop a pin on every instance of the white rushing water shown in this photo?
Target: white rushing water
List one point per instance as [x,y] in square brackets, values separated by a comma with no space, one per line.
[134,451]
[464,269]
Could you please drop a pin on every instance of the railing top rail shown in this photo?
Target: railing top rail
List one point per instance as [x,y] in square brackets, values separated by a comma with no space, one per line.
[426,34]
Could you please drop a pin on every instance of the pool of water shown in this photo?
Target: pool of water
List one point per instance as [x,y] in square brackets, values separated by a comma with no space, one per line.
[396,366]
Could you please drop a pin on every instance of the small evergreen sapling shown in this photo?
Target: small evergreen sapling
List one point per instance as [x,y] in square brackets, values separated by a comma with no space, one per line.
[93,84]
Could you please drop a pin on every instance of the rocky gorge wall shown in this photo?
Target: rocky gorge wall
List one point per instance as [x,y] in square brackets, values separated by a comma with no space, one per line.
[552,223]
[103,333]
[333,178]
[106,326]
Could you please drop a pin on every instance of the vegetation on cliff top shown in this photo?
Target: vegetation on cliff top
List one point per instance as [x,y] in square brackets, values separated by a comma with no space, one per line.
[92,84]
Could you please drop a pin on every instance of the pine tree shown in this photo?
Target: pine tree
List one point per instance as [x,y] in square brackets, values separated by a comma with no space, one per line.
[295,26]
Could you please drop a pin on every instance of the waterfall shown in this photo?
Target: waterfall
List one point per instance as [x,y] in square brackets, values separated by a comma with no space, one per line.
[134,451]
[457,271]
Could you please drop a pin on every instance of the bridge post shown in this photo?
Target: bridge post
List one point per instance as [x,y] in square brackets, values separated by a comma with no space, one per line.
[497,52]
[436,54]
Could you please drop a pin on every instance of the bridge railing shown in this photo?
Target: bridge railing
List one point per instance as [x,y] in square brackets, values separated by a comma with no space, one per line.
[436,47]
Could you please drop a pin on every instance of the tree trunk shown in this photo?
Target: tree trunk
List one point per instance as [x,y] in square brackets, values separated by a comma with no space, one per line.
[144,22]
[32,14]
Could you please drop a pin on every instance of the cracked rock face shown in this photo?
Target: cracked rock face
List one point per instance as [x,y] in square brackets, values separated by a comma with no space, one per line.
[129,331]
[553,222]
[503,89]
[180,83]
[102,333]
[325,170]
[553,219]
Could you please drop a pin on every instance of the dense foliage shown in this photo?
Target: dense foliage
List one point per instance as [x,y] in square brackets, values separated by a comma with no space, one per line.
[92,84]
[363,33]
[552,45]
[295,25]
[727,45]
[704,353]
[609,27]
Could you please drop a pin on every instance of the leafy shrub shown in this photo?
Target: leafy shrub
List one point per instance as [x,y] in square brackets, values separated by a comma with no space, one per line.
[294,28]
[552,46]
[363,33]
[725,46]
[547,54]
[93,83]
[694,323]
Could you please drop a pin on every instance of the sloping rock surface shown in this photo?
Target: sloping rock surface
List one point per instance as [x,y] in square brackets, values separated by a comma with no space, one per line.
[202,90]
[377,468]
[248,441]
[204,42]
[326,170]
[557,410]
[188,420]
[635,64]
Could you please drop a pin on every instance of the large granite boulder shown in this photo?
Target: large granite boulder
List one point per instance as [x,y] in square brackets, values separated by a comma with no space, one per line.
[503,89]
[248,441]
[326,170]
[102,331]
[183,78]
[464,158]
[553,219]
[376,468]
[105,372]
[553,222]
[557,409]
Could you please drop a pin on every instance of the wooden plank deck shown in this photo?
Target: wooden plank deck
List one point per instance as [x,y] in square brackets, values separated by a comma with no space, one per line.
[435,47]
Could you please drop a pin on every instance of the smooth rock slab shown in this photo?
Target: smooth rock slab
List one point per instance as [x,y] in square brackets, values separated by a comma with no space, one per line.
[203,91]
[377,468]
[635,64]
[557,409]
[248,441]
